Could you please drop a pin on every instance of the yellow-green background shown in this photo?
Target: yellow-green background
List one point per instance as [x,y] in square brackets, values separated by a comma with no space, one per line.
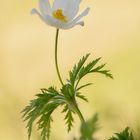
[112,30]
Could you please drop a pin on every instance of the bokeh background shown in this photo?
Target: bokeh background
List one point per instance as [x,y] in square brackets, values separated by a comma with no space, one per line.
[112,30]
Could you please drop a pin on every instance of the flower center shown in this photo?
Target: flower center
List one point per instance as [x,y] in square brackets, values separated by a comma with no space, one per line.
[58,14]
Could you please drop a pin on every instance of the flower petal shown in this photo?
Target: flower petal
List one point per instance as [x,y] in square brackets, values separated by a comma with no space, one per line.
[44,6]
[46,18]
[84,13]
[65,27]
[34,11]
[76,20]
[49,19]
[69,7]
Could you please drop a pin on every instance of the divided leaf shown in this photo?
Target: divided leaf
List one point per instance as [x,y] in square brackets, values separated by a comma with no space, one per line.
[105,72]
[87,69]
[124,135]
[69,117]
[80,70]
[74,73]
[68,92]
[40,109]
[78,94]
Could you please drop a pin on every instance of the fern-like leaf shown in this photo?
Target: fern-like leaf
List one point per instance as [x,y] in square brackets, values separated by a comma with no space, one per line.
[84,86]
[78,94]
[81,70]
[41,109]
[86,69]
[105,72]
[69,119]
[74,73]
[124,135]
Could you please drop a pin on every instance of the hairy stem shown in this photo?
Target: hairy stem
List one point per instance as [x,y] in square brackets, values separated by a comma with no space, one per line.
[56,60]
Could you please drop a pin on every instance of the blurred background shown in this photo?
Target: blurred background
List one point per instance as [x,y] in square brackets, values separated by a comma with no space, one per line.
[112,30]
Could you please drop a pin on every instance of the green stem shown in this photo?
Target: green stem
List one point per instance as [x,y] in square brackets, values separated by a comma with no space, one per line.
[77,84]
[56,61]
[60,79]
[79,113]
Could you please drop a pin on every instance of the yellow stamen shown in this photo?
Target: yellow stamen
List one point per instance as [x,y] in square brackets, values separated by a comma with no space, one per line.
[58,14]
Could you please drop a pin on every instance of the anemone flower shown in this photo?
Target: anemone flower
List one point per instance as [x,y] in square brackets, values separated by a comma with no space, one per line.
[62,13]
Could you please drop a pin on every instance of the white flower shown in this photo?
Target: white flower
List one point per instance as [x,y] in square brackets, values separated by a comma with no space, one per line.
[61,14]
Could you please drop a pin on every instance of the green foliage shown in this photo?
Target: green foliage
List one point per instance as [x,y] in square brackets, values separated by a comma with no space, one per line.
[69,119]
[40,109]
[74,73]
[89,128]
[80,70]
[124,135]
